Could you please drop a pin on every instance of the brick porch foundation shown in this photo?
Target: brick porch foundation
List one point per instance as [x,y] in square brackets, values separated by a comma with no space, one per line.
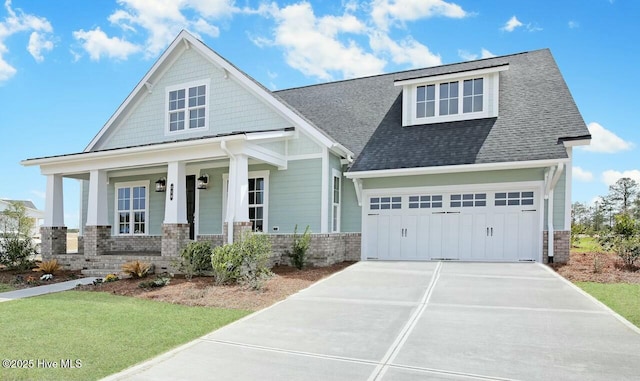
[561,246]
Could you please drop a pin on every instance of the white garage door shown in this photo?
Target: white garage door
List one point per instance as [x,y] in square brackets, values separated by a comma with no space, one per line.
[477,226]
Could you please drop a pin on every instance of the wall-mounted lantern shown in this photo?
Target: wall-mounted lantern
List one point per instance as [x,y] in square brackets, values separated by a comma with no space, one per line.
[161,185]
[203,181]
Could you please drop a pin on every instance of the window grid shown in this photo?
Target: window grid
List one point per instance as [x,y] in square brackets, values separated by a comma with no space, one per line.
[336,203]
[385,203]
[425,201]
[466,200]
[513,198]
[194,107]
[448,98]
[472,95]
[426,101]
[132,201]
[256,203]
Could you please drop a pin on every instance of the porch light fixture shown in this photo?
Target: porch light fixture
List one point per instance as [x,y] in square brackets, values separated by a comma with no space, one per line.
[161,185]
[203,181]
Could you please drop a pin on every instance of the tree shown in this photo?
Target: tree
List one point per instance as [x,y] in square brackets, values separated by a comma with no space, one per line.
[16,244]
[622,193]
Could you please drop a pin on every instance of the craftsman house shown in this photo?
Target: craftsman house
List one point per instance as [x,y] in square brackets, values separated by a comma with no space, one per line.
[468,161]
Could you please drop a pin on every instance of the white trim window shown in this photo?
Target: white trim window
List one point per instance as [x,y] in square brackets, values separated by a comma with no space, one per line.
[186,107]
[132,208]
[335,205]
[258,199]
[257,203]
[447,95]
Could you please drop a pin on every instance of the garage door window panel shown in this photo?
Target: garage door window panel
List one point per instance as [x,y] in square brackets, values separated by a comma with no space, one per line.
[467,200]
[513,198]
[385,203]
[425,202]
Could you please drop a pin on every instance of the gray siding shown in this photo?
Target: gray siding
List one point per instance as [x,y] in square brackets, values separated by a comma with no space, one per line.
[211,215]
[231,107]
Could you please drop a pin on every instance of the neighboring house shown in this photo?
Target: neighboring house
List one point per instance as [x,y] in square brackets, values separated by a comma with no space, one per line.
[31,211]
[468,161]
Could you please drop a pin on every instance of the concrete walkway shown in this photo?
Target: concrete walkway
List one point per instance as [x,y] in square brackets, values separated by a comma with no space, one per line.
[417,321]
[46,289]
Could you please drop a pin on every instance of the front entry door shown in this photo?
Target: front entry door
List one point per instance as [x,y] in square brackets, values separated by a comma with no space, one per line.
[191,204]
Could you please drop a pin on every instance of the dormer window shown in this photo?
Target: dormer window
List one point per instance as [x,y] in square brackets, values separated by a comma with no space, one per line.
[187,107]
[450,97]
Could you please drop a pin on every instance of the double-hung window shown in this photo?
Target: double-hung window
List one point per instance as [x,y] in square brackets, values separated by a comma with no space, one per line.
[335,206]
[447,97]
[132,208]
[187,107]
[256,203]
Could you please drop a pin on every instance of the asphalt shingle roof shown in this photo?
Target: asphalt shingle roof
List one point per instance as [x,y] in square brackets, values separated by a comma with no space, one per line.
[536,110]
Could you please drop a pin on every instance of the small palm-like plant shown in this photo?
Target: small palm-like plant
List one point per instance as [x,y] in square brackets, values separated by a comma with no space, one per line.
[48,267]
[136,269]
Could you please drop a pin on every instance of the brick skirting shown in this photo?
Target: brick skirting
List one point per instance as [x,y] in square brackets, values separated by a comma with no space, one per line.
[561,246]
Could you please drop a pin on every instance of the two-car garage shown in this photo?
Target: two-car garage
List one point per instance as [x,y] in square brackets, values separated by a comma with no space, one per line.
[500,223]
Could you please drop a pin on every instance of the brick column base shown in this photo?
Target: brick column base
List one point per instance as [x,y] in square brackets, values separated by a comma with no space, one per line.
[238,230]
[96,240]
[561,246]
[174,238]
[54,241]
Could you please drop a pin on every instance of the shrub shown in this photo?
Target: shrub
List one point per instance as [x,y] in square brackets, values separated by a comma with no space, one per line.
[242,262]
[16,244]
[110,278]
[136,269]
[196,259]
[48,267]
[160,281]
[300,246]
[624,240]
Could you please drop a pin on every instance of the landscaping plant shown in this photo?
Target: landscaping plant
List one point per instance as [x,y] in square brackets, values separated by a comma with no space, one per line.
[48,267]
[136,269]
[624,239]
[196,259]
[242,262]
[16,244]
[298,254]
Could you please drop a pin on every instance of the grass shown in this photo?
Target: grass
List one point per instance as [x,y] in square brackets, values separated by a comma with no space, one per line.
[587,245]
[107,333]
[624,298]
[6,287]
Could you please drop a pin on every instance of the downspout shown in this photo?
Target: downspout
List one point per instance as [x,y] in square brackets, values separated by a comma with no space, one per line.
[553,175]
[229,212]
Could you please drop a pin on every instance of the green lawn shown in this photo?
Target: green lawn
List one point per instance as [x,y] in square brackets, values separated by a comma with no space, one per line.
[6,287]
[587,245]
[624,298]
[107,333]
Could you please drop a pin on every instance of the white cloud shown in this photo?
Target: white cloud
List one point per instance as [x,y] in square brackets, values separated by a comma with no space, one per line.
[98,45]
[387,12]
[161,20]
[312,45]
[37,44]
[407,51]
[468,56]
[582,175]
[605,141]
[17,21]
[610,177]
[573,24]
[512,24]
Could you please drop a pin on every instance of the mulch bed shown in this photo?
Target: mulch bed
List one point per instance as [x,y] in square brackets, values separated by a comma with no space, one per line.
[201,291]
[597,267]
[28,278]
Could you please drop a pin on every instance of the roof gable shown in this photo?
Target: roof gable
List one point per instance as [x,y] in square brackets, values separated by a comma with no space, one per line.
[141,117]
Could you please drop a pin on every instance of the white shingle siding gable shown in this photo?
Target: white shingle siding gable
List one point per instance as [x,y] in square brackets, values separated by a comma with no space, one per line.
[231,107]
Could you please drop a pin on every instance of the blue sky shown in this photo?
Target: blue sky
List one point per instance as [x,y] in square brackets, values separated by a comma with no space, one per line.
[63,73]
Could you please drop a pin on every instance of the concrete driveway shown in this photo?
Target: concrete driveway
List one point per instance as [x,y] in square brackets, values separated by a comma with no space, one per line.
[417,321]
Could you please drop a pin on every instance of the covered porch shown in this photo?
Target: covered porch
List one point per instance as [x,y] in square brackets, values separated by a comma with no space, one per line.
[162,180]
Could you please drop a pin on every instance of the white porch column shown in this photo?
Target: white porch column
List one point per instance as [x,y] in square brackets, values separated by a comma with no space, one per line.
[54,203]
[175,210]
[97,214]
[238,193]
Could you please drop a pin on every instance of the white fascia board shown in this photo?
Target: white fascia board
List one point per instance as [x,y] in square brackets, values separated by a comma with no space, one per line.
[341,150]
[144,85]
[574,143]
[454,169]
[269,135]
[192,150]
[265,155]
[444,77]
